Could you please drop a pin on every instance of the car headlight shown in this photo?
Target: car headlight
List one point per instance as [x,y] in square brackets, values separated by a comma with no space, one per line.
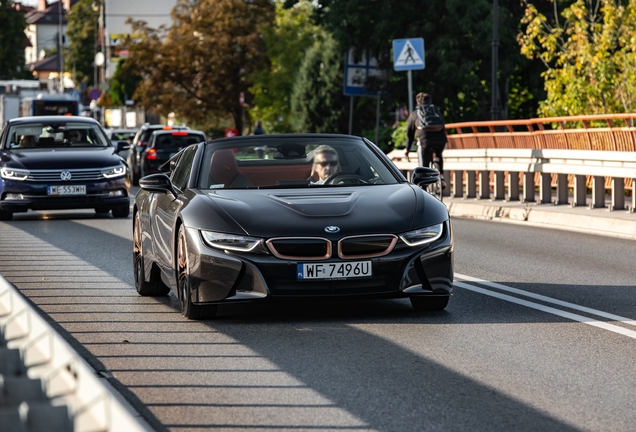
[14,174]
[422,236]
[231,242]
[114,171]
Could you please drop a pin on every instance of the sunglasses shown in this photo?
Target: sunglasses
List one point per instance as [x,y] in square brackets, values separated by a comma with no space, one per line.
[325,163]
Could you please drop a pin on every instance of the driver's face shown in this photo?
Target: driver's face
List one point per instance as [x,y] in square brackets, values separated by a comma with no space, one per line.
[326,164]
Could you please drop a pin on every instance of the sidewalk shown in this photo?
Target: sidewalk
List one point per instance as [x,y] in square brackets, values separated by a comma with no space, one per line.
[598,221]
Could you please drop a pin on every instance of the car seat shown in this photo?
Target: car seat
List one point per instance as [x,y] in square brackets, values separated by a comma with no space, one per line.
[224,170]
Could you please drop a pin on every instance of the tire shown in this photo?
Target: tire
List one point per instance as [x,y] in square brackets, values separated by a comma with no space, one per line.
[429,303]
[188,309]
[121,211]
[154,287]
[436,189]
[5,215]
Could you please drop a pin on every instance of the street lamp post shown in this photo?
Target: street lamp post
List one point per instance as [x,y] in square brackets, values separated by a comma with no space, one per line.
[60,41]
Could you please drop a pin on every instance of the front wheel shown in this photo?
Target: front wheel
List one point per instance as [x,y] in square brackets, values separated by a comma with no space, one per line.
[188,309]
[429,303]
[121,211]
[5,215]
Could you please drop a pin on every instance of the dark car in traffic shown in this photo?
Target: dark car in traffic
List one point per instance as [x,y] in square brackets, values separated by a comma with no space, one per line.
[61,162]
[163,144]
[140,141]
[289,216]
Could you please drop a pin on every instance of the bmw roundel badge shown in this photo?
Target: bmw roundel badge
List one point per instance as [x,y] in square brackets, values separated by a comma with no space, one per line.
[332,229]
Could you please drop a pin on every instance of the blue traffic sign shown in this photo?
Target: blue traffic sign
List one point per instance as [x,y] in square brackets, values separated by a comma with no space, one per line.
[357,71]
[408,54]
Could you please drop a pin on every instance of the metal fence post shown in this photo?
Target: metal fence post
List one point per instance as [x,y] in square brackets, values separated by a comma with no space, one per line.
[484,184]
[513,186]
[562,189]
[471,184]
[545,188]
[458,184]
[580,191]
[598,192]
[528,187]
[618,194]
[500,189]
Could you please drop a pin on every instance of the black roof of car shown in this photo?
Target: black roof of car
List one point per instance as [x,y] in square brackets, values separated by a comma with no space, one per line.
[48,119]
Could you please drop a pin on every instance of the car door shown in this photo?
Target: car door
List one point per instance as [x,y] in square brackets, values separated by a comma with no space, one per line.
[167,208]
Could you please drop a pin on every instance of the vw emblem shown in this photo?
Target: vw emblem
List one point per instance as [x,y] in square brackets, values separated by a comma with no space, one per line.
[65,175]
[332,229]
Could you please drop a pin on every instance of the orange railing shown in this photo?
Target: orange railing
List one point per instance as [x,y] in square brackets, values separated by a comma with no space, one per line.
[614,132]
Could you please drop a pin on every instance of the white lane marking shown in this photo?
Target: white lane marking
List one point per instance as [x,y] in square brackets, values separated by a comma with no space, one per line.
[550,310]
[591,311]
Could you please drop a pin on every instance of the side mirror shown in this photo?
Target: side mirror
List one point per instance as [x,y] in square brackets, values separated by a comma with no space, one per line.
[423,176]
[157,183]
[122,145]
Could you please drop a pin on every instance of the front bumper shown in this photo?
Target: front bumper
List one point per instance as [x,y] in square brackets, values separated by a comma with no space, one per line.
[34,195]
[221,276]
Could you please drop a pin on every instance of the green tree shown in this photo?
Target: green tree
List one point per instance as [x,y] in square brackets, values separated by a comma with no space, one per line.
[292,34]
[12,42]
[457,38]
[589,51]
[198,66]
[82,35]
[124,82]
[317,100]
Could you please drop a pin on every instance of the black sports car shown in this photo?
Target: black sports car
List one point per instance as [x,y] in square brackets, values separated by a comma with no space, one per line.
[61,162]
[282,216]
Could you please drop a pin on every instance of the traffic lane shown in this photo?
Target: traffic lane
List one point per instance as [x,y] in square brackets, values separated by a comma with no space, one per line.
[365,364]
[593,271]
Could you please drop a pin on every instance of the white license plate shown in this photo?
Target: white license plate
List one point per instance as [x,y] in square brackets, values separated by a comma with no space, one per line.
[343,270]
[67,190]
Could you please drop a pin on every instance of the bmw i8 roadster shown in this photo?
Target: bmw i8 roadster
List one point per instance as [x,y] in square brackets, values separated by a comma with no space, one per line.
[290,216]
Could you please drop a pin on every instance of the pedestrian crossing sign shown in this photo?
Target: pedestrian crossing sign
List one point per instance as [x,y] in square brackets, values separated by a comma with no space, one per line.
[408,54]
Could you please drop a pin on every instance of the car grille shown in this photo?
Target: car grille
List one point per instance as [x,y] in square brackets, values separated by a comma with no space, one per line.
[76,175]
[368,246]
[300,248]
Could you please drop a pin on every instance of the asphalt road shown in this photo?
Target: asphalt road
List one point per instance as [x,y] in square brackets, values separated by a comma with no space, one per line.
[550,346]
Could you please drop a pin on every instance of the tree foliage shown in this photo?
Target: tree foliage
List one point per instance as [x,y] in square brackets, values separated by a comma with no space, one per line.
[589,50]
[124,83]
[12,42]
[317,99]
[198,66]
[286,41]
[81,33]
[457,37]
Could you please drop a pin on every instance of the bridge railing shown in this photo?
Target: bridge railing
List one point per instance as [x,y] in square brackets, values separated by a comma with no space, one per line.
[497,159]
[530,175]
[612,132]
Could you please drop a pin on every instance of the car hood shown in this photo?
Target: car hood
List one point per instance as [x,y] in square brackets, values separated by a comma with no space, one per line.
[61,158]
[355,210]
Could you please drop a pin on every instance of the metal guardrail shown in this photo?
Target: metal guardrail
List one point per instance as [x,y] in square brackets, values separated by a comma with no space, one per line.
[516,174]
[57,375]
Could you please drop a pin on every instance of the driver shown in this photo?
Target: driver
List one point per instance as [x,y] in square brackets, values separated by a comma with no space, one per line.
[74,136]
[325,164]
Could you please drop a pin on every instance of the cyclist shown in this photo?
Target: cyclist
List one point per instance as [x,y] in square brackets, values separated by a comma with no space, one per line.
[428,142]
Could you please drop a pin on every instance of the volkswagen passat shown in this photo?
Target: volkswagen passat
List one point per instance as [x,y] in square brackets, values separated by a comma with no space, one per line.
[54,163]
[289,216]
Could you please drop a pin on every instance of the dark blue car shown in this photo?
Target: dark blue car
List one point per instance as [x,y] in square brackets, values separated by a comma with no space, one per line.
[61,162]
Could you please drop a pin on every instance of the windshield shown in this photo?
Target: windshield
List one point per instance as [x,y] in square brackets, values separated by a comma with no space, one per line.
[298,162]
[55,134]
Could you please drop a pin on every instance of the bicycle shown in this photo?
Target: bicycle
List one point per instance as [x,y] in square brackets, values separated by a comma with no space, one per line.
[436,189]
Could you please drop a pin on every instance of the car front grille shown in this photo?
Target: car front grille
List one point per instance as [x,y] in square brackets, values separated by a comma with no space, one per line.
[56,175]
[316,248]
[300,248]
[368,246]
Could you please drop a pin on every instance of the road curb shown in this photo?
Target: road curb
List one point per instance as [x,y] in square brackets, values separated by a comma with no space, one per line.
[532,216]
